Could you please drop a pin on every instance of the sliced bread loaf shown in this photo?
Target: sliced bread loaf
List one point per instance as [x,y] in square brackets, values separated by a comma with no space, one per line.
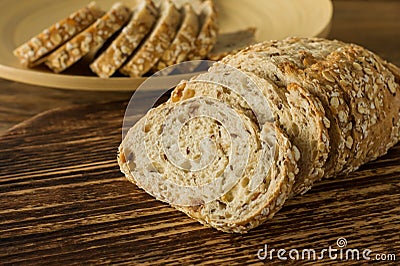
[184,39]
[142,21]
[49,39]
[156,44]
[298,79]
[90,39]
[238,208]
[207,36]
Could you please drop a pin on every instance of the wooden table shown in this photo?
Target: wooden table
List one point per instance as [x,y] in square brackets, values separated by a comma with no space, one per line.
[32,230]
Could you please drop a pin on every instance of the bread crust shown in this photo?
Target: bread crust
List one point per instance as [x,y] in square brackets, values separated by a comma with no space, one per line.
[30,53]
[89,39]
[156,44]
[207,36]
[184,41]
[317,78]
[127,41]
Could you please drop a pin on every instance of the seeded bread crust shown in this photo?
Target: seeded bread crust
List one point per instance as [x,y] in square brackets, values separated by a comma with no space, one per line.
[156,44]
[300,78]
[142,21]
[372,89]
[291,60]
[184,39]
[295,108]
[30,53]
[88,40]
[207,37]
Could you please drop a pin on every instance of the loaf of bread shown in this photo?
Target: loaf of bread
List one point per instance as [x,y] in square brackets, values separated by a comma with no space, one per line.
[287,113]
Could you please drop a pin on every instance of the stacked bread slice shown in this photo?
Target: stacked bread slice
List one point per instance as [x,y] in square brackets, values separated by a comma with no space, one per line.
[90,39]
[30,53]
[309,108]
[132,40]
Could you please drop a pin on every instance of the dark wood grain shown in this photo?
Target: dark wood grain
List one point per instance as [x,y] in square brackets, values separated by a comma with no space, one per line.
[19,102]
[64,201]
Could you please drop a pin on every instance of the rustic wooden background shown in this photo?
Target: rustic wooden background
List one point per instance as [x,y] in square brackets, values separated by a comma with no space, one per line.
[64,201]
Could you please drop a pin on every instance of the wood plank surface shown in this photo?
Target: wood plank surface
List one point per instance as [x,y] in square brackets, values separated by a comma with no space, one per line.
[64,201]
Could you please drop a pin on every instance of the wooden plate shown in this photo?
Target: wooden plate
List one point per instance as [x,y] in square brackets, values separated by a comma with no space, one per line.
[22,19]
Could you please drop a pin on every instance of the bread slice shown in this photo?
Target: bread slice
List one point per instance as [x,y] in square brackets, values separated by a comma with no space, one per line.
[342,76]
[30,53]
[207,37]
[371,90]
[237,210]
[156,44]
[142,21]
[88,40]
[300,115]
[242,209]
[292,107]
[232,42]
[184,39]
[290,61]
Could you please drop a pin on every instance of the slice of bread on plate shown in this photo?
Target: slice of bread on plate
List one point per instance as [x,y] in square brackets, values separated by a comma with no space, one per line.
[184,39]
[30,53]
[90,39]
[142,21]
[152,48]
[207,36]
